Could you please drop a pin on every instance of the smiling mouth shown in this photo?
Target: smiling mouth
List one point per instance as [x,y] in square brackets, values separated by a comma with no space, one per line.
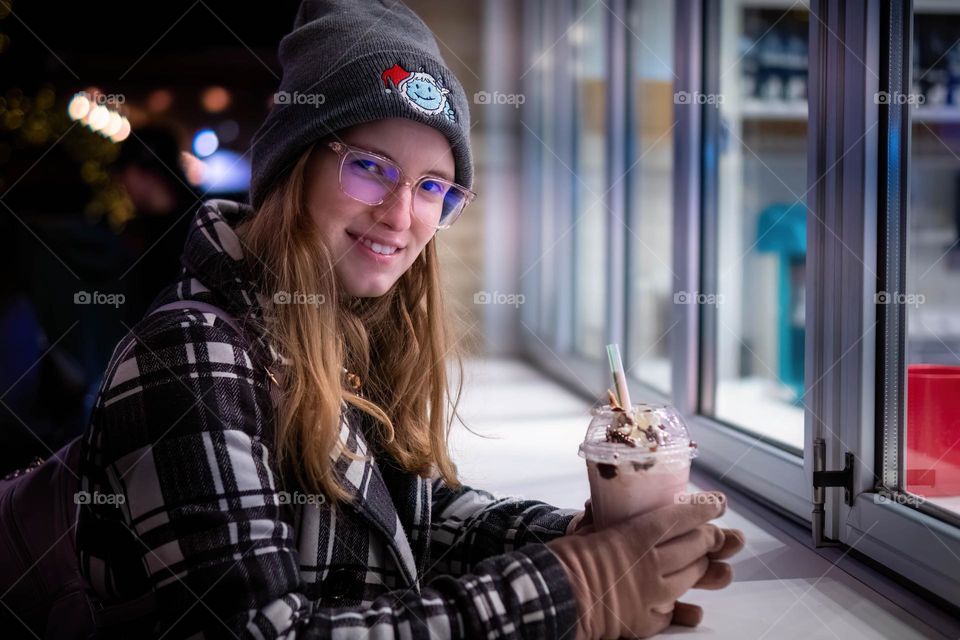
[385,251]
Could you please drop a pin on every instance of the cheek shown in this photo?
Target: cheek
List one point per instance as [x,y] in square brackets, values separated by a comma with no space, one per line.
[332,216]
[421,236]
[329,233]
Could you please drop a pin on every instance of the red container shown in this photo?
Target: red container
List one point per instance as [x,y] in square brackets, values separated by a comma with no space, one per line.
[933,430]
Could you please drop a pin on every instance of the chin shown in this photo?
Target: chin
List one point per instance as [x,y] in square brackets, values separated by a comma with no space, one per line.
[369,289]
[368,294]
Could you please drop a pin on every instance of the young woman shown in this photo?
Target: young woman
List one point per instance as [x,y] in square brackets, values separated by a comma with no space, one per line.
[287,474]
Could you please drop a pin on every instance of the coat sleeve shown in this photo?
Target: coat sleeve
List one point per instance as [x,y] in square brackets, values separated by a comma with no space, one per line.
[470,525]
[180,438]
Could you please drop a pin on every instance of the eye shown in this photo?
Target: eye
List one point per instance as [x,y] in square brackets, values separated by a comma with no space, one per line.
[367,166]
[371,168]
[433,188]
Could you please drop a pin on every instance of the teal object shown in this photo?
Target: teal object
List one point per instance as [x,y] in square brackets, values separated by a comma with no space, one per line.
[782,229]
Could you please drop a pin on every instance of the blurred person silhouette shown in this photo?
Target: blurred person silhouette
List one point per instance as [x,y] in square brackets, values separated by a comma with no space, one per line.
[149,170]
[20,339]
[41,384]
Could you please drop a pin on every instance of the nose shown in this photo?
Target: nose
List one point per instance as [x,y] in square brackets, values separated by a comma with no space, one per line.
[397,210]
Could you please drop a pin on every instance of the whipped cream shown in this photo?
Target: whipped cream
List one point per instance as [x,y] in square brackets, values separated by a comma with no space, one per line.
[639,427]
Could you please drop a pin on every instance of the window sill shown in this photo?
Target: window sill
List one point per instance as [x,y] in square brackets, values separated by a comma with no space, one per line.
[782,588]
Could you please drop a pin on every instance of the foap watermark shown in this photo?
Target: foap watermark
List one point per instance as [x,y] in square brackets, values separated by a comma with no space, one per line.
[285,97]
[108,99]
[485,97]
[297,497]
[905,499]
[695,297]
[704,497]
[96,297]
[896,297]
[496,297]
[882,97]
[299,297]
[686,97]
[97,498]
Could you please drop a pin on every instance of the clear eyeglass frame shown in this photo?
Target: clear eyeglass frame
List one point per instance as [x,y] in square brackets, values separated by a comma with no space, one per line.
[343,150]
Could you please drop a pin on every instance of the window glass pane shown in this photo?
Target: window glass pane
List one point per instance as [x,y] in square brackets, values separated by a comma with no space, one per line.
[761,225]
[649,183]
[545,68]
[532,164]
[932,299]
[587,41]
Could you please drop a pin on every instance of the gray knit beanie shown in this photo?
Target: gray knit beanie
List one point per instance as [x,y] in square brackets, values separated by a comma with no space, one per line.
[347,62]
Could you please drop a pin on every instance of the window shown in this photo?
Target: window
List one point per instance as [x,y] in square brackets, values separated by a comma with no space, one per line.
[587,40]
[790,278]
[648,181]
[539,310]
[878,371]
[931,298]
[755,305]
[549,197]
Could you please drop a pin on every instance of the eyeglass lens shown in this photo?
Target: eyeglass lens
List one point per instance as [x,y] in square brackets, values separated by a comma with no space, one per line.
[370,179]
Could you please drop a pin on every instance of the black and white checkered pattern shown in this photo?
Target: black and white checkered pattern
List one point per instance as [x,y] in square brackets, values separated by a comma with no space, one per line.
[179,443]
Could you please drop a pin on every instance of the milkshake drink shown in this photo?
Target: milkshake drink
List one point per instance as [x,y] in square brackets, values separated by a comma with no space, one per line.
[637,460]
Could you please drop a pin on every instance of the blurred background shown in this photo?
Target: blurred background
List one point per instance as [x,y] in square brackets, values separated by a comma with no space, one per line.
[109,137]
[113,128]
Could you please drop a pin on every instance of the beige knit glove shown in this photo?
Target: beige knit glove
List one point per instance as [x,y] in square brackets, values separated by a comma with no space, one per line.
[627,578]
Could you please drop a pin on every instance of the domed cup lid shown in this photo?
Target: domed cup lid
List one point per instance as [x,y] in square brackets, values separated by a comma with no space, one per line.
[647,433]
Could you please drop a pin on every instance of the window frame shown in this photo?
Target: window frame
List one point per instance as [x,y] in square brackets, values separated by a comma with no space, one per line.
[909,540]
[847,354]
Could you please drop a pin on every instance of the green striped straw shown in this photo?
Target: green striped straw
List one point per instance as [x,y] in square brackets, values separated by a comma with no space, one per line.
[619,377]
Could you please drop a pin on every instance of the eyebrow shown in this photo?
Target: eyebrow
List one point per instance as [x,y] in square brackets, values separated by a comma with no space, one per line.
[443,175]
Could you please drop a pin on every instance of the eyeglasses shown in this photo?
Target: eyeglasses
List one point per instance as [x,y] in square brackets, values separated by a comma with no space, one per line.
[370,178]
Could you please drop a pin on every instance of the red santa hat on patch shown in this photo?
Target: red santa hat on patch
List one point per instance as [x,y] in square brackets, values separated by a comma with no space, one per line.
[394,76]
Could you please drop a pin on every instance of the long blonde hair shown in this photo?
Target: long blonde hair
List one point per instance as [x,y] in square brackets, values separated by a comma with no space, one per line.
[398,344]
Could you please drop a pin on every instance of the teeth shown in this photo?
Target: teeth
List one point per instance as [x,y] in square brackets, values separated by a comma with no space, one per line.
[379,248]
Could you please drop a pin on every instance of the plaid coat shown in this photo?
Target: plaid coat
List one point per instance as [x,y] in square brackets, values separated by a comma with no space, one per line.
[185,503]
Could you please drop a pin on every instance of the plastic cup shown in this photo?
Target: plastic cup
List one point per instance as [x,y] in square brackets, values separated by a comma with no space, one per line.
[626,481]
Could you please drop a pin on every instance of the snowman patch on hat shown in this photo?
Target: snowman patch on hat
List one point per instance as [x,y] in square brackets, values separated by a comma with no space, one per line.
[419,89]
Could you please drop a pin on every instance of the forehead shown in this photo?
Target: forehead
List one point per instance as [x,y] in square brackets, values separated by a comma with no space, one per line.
[416,147]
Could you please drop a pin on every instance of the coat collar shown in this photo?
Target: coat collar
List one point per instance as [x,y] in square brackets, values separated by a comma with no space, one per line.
[411,495]
[216,272]
[372,498]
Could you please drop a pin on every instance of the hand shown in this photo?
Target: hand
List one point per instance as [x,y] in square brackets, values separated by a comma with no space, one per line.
[718,576]
[627,578]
